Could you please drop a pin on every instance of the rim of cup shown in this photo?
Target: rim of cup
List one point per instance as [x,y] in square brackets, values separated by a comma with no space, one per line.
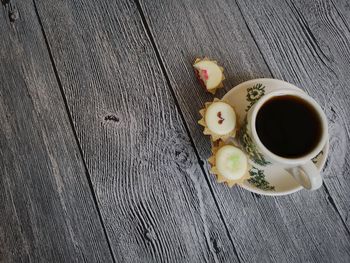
[305,158]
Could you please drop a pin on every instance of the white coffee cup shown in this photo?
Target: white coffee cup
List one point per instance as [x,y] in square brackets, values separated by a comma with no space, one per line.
[302,168]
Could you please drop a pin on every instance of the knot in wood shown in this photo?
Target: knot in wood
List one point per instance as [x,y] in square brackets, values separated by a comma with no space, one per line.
[13,15]
[181,152]
[182,156]
[149,234]
[217,245]
[5,2]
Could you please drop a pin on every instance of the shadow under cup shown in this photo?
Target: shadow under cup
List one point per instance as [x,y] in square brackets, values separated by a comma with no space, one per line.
[290,126]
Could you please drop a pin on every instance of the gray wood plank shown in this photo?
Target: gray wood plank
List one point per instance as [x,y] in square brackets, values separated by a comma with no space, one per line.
[47,210]
[153,197]
[342,8]
[308,43]
[301,227]
[339,11]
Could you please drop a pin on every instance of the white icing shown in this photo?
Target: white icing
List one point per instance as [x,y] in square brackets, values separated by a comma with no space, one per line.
[231,162]
[214,73]
[223,125]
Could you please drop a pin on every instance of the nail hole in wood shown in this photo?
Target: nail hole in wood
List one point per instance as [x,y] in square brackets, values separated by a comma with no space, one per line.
[112,117]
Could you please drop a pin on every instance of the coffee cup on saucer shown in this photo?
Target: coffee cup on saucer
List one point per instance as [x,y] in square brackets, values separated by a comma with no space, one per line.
[286,128]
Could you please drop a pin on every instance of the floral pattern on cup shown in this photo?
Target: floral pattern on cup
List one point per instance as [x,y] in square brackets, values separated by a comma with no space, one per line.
[243,101]
[257,178]
[254,94]
[249,146]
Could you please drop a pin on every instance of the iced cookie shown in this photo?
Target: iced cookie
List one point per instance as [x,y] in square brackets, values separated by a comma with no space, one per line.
[219,120]
[209,74]
[230,164]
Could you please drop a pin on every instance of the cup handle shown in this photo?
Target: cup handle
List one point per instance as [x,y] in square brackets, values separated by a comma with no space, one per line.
[308,176]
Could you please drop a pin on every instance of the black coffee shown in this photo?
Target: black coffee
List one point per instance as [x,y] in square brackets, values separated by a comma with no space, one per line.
[288,126]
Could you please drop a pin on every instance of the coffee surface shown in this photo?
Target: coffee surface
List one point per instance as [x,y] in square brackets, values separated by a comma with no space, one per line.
[288,126]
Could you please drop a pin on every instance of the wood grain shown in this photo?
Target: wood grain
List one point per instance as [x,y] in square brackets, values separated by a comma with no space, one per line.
[301,227]
[153,197]
[309,44]
[47,210]
[340,10]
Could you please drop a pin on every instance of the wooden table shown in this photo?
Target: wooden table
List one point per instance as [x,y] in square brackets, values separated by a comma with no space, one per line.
[101,157]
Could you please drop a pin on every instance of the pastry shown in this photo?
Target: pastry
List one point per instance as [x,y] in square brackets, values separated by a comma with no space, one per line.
[230,164]
[218,119]
[209,74]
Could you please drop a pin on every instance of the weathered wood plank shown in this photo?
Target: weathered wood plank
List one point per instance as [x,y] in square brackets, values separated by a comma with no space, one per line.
[339,186]
[301,227]
[342,7]
[47,210]
[308,43]
[151,191]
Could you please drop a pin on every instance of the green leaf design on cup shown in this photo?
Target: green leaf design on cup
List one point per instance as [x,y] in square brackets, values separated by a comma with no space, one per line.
[258,180]
[249,146]
[254,94]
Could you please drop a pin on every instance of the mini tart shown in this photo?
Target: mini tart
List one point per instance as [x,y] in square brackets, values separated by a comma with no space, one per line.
[219,120]
[229,164]
[209,74]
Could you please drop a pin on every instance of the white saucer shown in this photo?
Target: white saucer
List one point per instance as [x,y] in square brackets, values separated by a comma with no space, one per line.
[271,180]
